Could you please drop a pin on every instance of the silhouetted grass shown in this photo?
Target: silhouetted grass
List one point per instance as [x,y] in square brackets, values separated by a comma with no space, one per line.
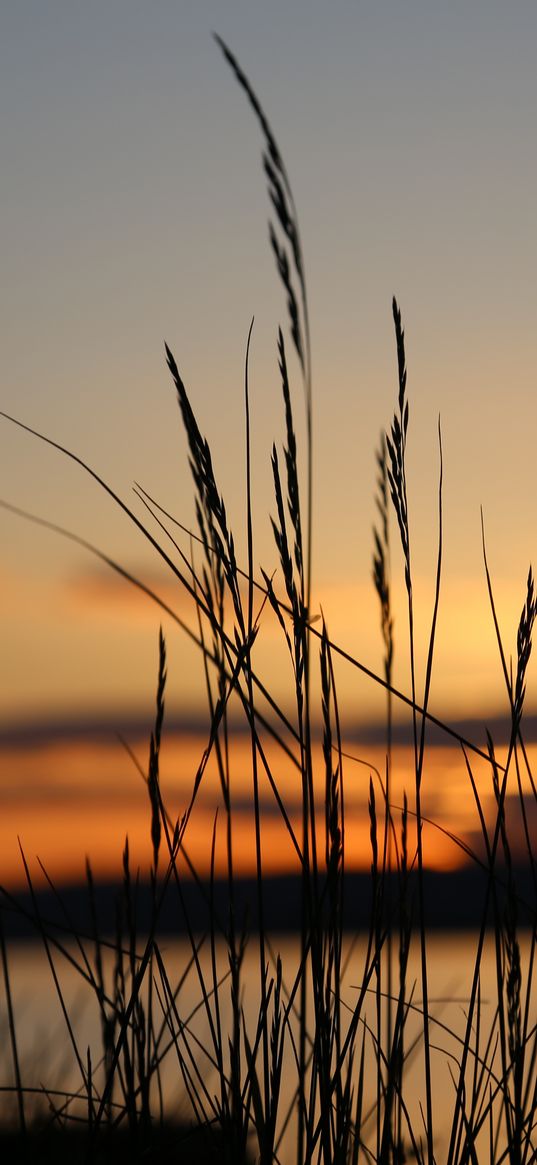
[329,1059]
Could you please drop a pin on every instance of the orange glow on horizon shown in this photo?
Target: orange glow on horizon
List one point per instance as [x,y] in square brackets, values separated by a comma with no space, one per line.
[71,799]
[94,614]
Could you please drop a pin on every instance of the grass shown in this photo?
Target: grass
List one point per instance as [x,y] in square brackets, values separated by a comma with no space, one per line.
[329,1045]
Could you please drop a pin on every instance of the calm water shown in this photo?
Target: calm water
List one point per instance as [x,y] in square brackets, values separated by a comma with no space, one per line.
[48,1058]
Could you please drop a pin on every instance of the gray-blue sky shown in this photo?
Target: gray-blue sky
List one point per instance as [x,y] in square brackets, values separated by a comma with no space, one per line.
[133,211]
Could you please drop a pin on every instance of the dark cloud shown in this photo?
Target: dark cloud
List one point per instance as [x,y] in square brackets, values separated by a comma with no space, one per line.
[101,728]
[105,727]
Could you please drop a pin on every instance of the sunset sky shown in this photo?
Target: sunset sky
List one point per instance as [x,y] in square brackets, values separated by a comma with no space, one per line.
[134,212]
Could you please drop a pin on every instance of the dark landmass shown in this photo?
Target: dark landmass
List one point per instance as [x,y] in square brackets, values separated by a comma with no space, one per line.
[168,1144]
[453,901]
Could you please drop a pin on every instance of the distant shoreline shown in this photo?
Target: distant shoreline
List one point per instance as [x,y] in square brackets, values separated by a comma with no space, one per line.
[453,901]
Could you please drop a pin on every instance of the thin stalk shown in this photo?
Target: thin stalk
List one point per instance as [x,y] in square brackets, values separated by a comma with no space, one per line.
[12,1031]
[398,487]
[254,753]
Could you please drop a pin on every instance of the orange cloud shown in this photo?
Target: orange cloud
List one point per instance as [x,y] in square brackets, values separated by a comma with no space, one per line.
[68,798]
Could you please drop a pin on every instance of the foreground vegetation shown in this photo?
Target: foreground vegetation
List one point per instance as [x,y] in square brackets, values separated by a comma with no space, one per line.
[321,1072]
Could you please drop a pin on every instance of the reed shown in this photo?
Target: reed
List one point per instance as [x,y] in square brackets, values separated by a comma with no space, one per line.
[329,1050]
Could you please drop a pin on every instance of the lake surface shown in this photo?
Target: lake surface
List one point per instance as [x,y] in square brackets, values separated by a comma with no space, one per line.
[48,1058]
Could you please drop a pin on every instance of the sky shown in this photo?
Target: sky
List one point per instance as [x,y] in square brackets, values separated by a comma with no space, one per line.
[134,213]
